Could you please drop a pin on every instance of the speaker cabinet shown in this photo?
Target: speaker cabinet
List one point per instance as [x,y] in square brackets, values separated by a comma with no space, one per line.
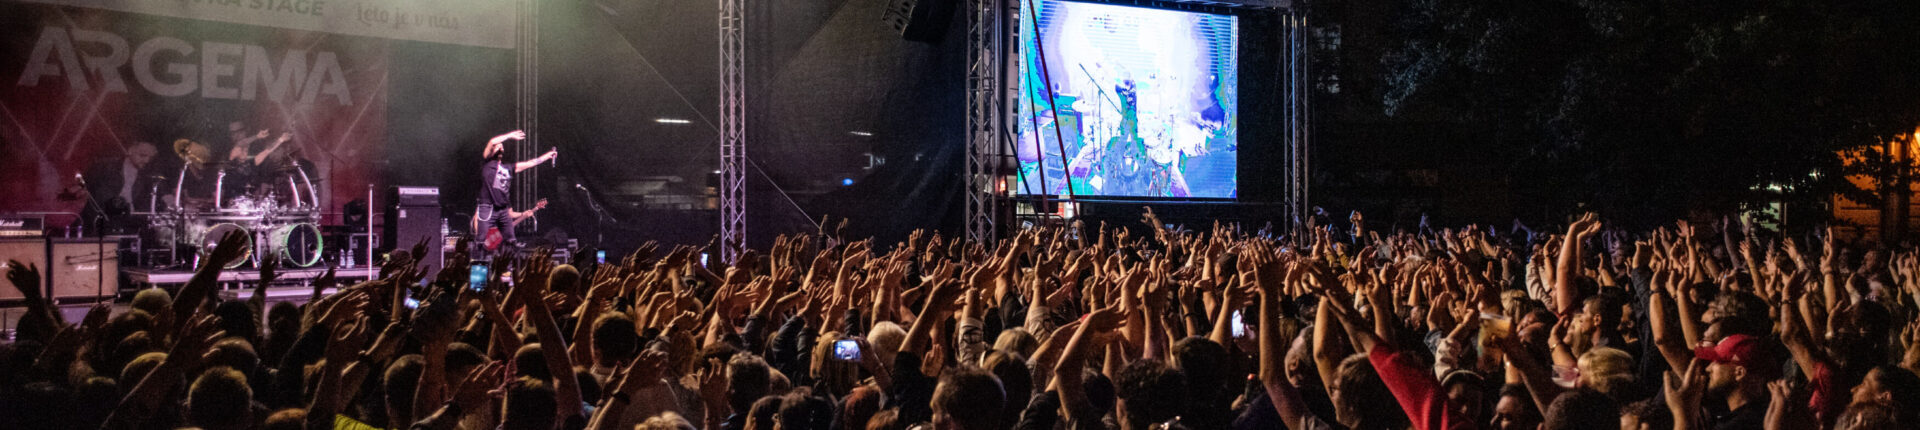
[26,251]
[920,20]
[415,215]
[81,273]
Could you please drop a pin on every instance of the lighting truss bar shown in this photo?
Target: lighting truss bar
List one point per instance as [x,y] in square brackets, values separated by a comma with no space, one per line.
[527,103]
[733,155]
[983,114]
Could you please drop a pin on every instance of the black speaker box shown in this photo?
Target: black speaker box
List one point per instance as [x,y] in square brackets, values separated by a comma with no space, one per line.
[414,214]
[920,20]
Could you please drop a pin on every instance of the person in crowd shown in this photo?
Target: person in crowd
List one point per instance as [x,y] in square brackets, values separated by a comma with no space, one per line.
[1681,327]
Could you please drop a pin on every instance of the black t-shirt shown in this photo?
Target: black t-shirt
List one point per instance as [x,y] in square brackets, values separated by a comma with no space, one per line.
[495,176]
[1750,416]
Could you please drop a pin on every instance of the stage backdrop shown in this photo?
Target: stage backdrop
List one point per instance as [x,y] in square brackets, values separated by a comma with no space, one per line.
[84,80]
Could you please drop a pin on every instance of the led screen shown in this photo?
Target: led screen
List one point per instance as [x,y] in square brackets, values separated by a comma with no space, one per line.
[1132,101]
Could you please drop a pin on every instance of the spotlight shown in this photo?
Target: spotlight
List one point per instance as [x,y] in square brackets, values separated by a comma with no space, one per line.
[846,182]
[671,121]
[861,133]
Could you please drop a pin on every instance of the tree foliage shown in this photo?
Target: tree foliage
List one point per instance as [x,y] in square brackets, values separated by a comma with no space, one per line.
[1664,107]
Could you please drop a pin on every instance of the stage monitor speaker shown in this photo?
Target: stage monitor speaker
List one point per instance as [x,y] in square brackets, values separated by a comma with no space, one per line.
[920,20]
[414,215]
[77,269]
[26,251]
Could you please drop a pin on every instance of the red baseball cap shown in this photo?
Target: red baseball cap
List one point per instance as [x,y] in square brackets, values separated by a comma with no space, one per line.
[1746,351]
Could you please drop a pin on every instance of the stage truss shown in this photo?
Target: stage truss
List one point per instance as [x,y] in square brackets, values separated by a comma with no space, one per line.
[733,147]
[990,159]
[985,185]
[527,114]
[1299,112]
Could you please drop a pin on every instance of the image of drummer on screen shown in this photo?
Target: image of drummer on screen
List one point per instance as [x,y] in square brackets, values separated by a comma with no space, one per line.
[495,209]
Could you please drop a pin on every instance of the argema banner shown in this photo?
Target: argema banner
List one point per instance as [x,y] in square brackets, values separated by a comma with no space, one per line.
[489,23]
[96,96]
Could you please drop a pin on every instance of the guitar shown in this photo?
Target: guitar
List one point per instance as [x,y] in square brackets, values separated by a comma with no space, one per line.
[493,236]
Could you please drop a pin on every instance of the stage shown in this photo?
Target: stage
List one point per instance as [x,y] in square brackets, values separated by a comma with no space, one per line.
[169,279]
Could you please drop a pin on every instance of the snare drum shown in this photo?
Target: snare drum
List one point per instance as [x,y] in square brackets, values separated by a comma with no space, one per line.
[298,245]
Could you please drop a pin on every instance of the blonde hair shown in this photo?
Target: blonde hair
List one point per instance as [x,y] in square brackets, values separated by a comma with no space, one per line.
[1606,370]
[668,420]
[839,376]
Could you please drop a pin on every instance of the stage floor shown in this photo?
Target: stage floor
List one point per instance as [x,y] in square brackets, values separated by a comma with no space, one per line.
[142,278]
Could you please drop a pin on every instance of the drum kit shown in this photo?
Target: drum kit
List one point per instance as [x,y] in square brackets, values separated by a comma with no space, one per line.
[283,228]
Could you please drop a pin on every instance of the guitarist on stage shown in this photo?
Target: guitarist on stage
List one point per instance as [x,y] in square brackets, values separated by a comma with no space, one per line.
[493,238]
[495,210]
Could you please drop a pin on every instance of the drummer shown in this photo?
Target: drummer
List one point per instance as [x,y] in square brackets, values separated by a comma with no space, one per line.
[277,171]
[199,178]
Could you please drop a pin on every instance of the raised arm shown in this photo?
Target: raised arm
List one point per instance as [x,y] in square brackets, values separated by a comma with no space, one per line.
[1273,352]
[144,398]
[1565,296]
[1666,337]
[1793,332]
[535,162]
[566,389]
[1073,395]
[25,278]
[498,143]
[938,307]
[206,278]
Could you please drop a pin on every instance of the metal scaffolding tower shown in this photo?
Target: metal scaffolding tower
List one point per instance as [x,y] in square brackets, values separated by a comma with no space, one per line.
[1299,116]
[527,103]
[983,119]
[733,146]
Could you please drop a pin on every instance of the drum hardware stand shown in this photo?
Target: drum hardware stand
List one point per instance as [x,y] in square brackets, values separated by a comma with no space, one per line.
[100,240]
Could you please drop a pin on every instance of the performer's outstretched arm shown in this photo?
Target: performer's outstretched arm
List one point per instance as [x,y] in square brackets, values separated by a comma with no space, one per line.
[524,165]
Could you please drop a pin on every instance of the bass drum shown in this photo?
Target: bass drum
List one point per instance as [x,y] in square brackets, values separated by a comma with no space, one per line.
[297,245]
[211,238]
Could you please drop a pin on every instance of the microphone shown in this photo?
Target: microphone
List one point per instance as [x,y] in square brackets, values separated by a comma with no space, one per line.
[80,179]
[555,161]
[578,187]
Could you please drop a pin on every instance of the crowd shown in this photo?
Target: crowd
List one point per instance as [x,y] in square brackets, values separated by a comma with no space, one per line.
[1682,327]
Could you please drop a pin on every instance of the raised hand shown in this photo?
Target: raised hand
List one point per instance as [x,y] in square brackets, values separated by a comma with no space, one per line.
[1587,225]
[200,334]
[643,372]
[1104,319]
[231,248]
[269,271]
[344,346]
[511,135]
[1828,257]
[24,277]
[712,381]
[471,394]
[1683,393]
[420,249]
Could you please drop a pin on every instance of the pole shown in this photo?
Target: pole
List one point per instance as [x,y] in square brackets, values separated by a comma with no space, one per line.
[369,266]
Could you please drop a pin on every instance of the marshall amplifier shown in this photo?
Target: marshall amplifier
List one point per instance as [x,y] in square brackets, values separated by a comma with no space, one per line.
[83,271]
[26,252]
[18,226]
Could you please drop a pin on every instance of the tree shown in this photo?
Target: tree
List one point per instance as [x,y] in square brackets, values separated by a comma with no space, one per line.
[1665,108]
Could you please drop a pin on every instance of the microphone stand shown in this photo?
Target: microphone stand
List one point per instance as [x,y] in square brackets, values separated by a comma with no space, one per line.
[599,217]
[100,242]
